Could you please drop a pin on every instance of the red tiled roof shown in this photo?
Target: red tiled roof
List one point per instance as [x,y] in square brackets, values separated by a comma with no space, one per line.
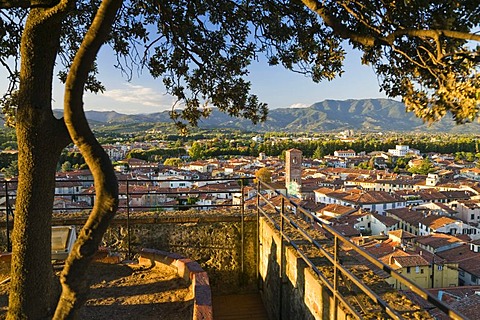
[436,222]
[405,214]
[466,259]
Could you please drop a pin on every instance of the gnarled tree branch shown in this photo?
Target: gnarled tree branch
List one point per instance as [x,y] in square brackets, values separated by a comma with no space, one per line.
[74,287]
[370,40]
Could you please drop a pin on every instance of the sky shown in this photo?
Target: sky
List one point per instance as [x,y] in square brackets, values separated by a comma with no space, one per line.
[277,87]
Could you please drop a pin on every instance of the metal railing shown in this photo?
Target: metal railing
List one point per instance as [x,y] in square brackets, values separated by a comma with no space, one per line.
[289,218]
[130,189]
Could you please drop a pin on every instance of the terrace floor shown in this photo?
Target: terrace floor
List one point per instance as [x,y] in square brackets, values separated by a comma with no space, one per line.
[238,307]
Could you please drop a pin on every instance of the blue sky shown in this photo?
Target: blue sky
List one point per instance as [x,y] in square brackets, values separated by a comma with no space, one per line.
[276,86]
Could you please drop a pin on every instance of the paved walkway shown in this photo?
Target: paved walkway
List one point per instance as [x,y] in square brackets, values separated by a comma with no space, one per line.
[238,307]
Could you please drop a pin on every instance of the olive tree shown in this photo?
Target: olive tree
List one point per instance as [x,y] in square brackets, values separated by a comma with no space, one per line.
[200,50]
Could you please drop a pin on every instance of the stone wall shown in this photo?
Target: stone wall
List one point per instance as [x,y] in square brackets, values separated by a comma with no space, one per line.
[289,288]
[213,240]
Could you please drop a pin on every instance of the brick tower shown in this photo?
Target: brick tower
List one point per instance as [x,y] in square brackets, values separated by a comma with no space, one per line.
[293,172]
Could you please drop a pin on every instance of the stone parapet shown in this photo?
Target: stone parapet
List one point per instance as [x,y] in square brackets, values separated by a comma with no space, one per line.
[191,272]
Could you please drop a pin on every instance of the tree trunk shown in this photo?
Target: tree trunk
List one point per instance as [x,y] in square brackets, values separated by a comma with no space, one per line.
[40,138]
[74,286]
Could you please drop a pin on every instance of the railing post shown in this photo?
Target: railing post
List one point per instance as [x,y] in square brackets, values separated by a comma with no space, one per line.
[242,226]
[282,254]
[9,246]
[335,277]
[129,253]
[257,249]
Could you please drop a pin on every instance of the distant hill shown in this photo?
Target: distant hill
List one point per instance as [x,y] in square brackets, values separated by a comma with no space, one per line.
[329,115]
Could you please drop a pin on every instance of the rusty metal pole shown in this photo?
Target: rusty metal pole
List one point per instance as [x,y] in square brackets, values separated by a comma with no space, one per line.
[335,278]
[257,242]
[242,227]
[129,253]
[282,254]
[9,246]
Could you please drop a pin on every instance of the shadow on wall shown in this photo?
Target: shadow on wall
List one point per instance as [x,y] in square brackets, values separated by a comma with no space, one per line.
[289,288]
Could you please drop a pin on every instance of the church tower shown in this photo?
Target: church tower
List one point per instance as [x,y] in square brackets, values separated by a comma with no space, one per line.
[293,172]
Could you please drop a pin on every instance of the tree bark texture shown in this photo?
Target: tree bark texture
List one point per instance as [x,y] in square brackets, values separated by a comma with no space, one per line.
[40,138]
[74,286]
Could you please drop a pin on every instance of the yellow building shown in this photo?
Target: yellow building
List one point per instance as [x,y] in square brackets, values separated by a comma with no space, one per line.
[422,268]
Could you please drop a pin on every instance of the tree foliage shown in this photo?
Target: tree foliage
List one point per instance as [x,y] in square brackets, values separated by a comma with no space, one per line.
[423,51]
[156,154]
[174,162]
[264,175]
[12,170]
[424,167]
[196,151]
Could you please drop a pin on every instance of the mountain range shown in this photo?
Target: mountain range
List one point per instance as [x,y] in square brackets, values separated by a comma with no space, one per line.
[371,115]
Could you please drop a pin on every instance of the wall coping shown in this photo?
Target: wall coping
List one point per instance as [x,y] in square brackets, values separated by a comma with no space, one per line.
[189,270]
[122,220]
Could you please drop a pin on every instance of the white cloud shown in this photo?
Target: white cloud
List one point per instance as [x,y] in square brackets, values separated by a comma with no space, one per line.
[298,106]
[140,95]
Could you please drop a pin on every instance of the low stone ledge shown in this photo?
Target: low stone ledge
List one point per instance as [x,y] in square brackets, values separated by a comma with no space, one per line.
[189,270]
[65,219]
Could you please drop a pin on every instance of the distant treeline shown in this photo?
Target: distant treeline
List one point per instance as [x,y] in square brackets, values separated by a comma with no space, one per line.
[157,154]
[319,148]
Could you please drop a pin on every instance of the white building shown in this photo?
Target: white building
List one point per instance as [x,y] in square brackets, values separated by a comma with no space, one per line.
[468,210]
[345,153]
[402,151]
[447,225]
[373,201]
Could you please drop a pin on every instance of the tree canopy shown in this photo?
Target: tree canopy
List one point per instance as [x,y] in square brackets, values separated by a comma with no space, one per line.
[422,51]
[424,167]
[426,52]
[264,175]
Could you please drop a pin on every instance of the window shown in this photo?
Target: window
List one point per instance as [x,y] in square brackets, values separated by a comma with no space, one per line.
[417,269]
[472,216]
[439,268]
[408,269]
[473,278]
